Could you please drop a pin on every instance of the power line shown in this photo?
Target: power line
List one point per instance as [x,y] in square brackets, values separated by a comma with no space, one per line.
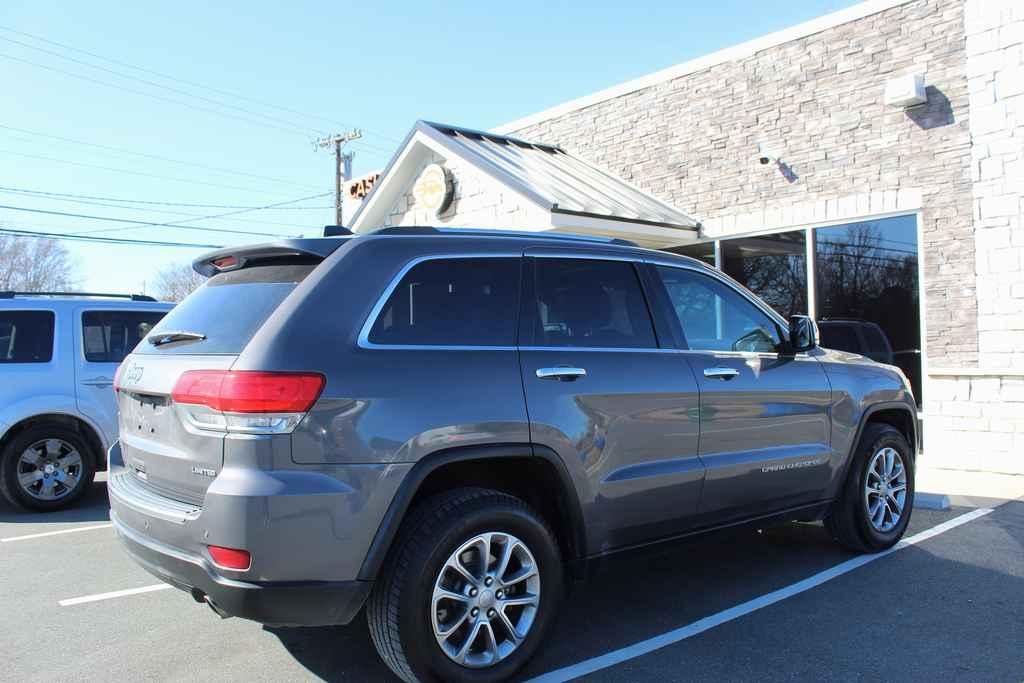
[136,173]
[171,212]
[156,85]
[143,93]
[26,191]
[187,82]
[155,156]
[179,224]
[136,224]
[103,240]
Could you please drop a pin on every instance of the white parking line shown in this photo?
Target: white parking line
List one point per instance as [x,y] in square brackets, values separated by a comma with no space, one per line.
[114,594]
[55,533]
[657,642]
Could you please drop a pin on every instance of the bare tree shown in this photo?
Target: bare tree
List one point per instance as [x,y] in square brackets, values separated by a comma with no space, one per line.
[174,283]
[30,264]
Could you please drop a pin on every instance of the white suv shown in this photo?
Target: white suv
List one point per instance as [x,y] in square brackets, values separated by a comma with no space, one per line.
[58,414]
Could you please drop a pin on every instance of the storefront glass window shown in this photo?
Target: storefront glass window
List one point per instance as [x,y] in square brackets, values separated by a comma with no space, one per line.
[866,288]
[772,266]
[705,251]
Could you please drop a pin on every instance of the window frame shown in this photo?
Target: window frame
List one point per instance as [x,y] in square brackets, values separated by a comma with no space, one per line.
[53,336]
[528,297]
[676,326]
[363,340]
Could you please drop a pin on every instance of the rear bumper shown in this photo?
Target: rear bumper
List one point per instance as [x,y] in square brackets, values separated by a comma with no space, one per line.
[307,532]
[298,603]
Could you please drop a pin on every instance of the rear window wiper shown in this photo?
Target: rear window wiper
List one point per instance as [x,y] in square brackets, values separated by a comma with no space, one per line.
[161,338]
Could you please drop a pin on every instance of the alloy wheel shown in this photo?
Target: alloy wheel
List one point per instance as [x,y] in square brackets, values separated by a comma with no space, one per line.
[485,599]
[885,491]
[49,469]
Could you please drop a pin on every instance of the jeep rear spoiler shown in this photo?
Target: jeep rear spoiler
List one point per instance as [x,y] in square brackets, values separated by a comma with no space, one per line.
[308,250]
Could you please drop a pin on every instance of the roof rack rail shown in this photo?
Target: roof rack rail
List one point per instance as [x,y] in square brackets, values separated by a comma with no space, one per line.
[133,297]
[488,232]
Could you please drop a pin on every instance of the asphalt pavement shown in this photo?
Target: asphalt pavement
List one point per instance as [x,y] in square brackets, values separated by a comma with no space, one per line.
[783,603]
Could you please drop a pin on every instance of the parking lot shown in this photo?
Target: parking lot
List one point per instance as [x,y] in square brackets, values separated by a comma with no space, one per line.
[779,604]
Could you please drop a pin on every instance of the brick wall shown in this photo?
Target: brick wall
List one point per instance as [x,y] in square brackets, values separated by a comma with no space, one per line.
[817,101]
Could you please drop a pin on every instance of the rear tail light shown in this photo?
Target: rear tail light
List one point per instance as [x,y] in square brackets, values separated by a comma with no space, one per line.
[230,558]
[247,401]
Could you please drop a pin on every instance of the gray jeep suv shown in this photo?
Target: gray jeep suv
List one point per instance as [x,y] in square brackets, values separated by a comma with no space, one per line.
[447,426]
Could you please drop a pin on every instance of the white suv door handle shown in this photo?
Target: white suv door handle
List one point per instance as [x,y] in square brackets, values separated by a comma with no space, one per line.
[721,373]
[564,374]
[98,381]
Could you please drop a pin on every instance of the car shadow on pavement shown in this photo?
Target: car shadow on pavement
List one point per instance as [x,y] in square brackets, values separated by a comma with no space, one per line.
[668,585]
[92,507]
[629,598]
[335,653]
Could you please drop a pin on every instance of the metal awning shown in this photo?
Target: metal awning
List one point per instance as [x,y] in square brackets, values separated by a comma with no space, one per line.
[576,194]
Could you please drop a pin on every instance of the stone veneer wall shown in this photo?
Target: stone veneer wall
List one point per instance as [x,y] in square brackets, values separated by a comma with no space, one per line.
[818,102]
[976,419]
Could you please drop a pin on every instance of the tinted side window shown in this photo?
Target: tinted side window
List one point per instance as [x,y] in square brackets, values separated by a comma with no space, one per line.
[109,336]
[590,303]
[452,302]
[26,336]
[714,317]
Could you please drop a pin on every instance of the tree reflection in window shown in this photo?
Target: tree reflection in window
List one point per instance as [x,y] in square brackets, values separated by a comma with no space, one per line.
[868,272]
[772,266]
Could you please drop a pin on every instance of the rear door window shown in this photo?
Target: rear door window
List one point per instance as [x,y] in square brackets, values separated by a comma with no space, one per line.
[109,336]
[590,303]
[26,336]
[452,302]
[227,310]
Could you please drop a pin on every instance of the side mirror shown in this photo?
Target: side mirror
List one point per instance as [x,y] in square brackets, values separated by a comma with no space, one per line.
[803,333]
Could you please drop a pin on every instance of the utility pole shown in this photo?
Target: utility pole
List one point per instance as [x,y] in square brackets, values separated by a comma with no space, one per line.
[342,163]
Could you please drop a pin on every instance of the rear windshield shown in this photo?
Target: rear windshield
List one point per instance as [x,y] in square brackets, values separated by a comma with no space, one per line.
[227,310]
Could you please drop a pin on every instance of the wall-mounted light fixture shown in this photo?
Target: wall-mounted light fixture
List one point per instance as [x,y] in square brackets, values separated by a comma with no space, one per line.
[905,91]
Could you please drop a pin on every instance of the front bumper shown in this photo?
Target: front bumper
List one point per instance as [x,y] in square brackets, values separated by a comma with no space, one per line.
[297,603]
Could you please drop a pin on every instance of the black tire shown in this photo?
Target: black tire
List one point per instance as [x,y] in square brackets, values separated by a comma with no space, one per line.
[13,491]
[848,521]
[399,612]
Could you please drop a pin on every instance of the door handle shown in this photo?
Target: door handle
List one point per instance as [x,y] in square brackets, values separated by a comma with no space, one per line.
[721,373]
[562,374]
[98,381]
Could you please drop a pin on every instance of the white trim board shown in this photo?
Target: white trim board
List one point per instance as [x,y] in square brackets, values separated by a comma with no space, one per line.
[741,51]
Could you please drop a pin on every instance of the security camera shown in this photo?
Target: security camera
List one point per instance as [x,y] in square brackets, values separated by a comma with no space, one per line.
[765,159]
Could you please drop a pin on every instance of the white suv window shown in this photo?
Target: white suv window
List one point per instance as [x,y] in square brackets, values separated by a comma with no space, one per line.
[109,336]
[26,336]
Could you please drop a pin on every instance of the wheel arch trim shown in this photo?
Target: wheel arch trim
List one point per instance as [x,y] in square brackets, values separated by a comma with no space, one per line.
[400,503]
[99,457]
[866,418]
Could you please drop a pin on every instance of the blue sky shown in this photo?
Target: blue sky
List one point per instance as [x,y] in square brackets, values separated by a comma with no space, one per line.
[255,82]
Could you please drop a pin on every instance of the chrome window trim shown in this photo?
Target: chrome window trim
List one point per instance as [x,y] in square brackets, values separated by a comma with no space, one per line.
[582,254]
[612,349]
[363,341]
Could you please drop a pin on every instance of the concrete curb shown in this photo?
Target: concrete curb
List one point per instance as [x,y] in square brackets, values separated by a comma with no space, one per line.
[931,501]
